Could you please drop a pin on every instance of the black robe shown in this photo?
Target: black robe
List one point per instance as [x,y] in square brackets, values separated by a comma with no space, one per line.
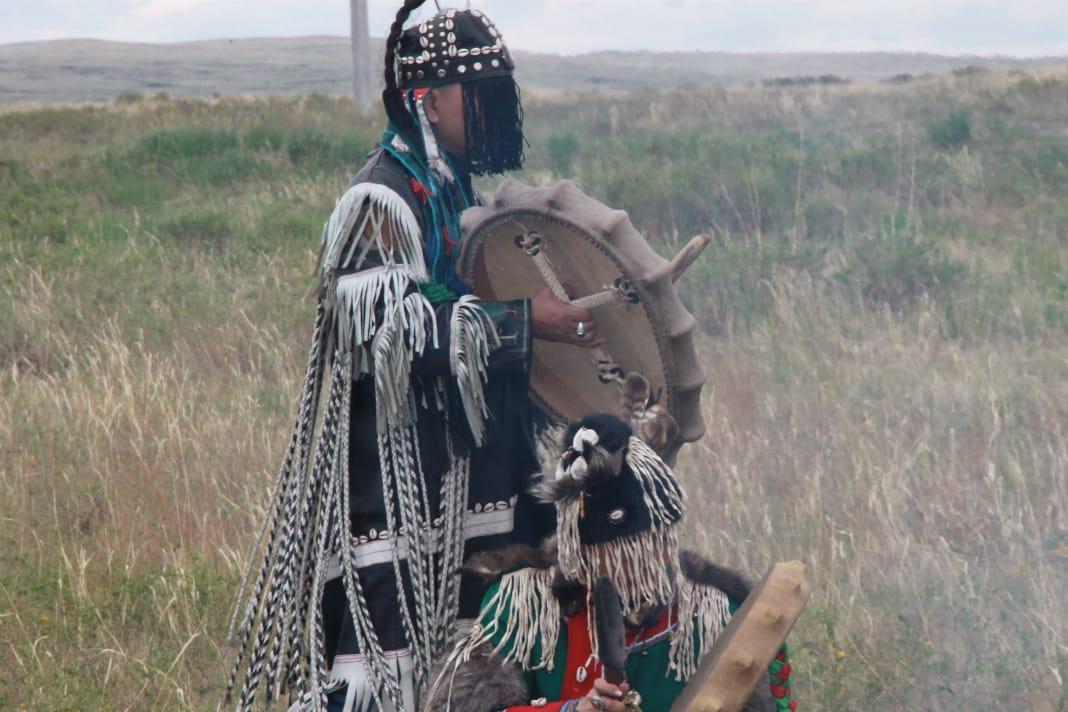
[500,509]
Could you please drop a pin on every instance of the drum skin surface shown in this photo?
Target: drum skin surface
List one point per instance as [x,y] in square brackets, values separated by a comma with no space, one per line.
[591,249]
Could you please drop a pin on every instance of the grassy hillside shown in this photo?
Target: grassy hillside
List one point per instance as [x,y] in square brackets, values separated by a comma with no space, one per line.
[885,318]
[96,70]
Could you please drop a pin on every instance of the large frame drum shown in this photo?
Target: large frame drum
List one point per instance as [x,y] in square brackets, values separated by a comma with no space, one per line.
[593,256]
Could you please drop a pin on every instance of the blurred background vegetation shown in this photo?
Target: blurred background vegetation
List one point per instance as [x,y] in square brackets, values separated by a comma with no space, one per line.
[884,311]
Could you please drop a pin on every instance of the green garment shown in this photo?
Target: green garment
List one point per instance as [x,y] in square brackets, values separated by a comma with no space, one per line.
[647,669]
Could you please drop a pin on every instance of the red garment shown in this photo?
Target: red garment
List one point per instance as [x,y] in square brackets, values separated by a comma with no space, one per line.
[579,652]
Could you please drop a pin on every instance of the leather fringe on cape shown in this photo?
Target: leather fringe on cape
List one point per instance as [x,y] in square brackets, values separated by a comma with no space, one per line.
[373,322]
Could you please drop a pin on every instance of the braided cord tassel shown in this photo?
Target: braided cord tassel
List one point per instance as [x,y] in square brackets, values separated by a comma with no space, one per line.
[269,618]
[316,636]
[300,491]
[307,495]
[299,596]
[296,451]
[454,495]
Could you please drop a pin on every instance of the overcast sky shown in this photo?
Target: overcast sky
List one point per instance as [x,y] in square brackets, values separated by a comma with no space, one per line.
[1009,27]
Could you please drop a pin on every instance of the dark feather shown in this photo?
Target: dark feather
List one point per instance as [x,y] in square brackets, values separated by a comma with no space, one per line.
[761,700]
[611,634]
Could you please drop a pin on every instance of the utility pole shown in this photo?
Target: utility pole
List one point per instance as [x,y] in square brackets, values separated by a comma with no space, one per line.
[362,67]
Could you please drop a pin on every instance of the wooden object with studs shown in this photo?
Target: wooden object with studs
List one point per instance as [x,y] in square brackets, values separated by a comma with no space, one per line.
[734,666]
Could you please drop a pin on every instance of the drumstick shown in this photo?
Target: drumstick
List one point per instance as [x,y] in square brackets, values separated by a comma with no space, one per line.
[679,264]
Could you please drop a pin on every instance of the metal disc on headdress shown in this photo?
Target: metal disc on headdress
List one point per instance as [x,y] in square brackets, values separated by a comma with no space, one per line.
[531,237]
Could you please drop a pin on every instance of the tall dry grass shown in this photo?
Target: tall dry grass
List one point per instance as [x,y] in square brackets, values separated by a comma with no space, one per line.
[886,344]
[130,480]
[925,482]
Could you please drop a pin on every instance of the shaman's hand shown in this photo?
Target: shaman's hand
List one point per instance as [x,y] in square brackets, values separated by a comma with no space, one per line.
[605,696]
[556,321]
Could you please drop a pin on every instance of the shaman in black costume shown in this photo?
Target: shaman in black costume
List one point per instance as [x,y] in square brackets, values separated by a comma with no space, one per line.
[425,446]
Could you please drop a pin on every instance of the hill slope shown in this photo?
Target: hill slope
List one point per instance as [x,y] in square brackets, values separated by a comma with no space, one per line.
[96,70]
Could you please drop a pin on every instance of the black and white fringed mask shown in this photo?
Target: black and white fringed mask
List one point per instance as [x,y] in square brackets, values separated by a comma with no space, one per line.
[465,47]
[617,506]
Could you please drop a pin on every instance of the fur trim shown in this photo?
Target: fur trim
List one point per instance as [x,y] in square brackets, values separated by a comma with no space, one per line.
[491,565]
[701,571]
[761,700]
[551,490]
[483,681]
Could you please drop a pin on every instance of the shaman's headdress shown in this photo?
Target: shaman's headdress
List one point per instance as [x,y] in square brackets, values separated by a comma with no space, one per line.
[455,46]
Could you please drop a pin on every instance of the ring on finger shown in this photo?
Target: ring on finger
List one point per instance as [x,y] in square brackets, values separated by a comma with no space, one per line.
[598,702]
[581,330]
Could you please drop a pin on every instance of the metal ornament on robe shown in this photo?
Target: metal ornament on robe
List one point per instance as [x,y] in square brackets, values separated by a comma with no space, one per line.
[532,237]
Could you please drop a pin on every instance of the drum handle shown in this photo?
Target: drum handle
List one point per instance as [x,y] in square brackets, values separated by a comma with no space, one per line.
[679,264]
[599,356]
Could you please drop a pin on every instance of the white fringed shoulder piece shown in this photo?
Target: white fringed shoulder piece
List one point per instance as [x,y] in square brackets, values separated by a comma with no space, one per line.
[359,221]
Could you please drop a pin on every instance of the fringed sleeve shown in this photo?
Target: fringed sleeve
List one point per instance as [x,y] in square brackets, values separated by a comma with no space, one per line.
[371,269]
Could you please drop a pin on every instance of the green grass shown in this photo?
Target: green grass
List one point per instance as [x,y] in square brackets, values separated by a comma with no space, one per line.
[884,309]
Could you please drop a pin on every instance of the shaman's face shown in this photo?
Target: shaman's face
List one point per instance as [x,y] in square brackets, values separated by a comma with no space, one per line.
[445,110]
